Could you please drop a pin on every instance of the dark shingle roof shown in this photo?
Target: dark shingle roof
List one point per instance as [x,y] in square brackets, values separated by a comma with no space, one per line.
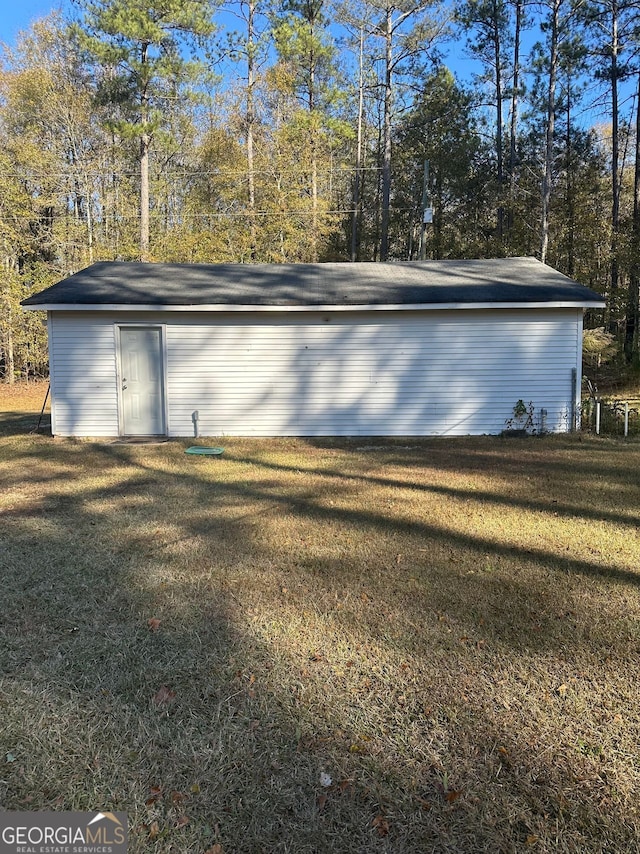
[412,283]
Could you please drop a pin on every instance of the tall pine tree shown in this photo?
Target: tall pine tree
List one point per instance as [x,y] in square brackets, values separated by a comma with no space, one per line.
[138,48]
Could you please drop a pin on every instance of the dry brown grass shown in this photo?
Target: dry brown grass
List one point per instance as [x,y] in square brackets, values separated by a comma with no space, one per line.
[449,628]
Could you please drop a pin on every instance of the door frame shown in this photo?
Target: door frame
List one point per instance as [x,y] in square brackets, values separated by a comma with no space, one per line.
[162,328]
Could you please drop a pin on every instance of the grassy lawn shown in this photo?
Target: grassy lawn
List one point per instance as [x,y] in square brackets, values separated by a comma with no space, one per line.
[449,630]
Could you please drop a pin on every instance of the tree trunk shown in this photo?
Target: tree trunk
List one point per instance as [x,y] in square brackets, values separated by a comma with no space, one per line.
[312,141]
[144,197]
[386,137]
[631,320]
[356,182]
[438,216]
[551,107]
[513,125]
[499,153]
[570,189]
[144,168]
[89,219]
[9,360]
[250,126]
[314,198]
[9,353]
[615,175]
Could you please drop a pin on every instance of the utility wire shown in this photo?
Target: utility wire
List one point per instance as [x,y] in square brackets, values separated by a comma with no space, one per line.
[217,173]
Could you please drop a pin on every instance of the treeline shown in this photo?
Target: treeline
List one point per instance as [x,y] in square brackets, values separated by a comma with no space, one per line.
[310,130]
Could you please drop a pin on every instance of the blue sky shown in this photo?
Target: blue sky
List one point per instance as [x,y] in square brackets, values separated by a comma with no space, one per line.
[16,15]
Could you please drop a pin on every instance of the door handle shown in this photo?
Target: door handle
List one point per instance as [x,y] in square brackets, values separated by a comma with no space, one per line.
[124,384]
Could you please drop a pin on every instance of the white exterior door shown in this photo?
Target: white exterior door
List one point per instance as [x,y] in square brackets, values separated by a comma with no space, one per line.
[142,401]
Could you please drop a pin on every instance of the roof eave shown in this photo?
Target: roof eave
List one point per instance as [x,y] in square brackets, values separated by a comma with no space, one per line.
[130,307]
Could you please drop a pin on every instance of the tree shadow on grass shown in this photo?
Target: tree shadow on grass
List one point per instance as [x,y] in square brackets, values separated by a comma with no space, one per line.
[182,722]
[510,500]
[256,703]
[593,456]
[19,423]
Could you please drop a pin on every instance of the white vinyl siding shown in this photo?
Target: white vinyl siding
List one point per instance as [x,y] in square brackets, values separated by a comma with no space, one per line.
[377,373]
[82,363]
[342,373]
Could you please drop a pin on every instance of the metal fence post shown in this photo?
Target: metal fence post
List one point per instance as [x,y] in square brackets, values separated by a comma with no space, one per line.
[626,418]
[598,417]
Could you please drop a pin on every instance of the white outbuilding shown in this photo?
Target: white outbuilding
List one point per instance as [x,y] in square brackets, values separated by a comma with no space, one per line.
[400,349]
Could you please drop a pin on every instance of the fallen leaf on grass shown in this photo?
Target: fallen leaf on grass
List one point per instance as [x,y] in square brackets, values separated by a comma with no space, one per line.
[154,830]
[215,849]
[182,821]
[532,839]
[164,696]
[154,794]
[381,825]
[154,624]
[359,745]
[177,798]
[452,795]
[322,802]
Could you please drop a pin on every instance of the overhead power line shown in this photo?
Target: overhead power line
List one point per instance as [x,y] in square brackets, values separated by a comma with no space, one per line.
[116,218]
[184,173]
